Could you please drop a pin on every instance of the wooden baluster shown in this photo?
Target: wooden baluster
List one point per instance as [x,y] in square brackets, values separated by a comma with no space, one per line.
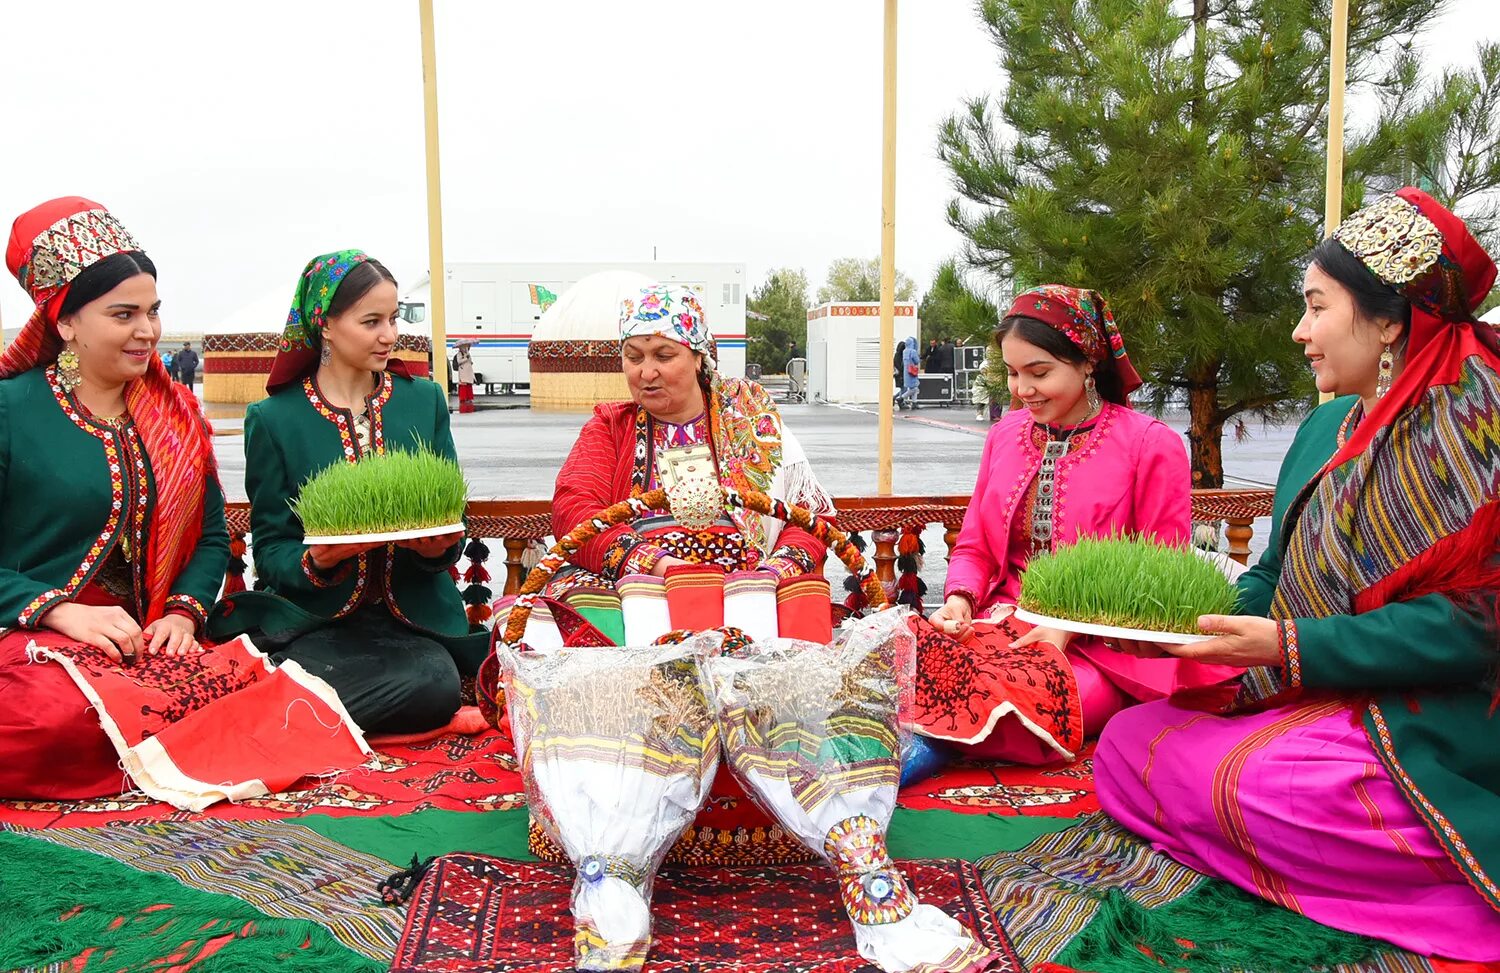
[515,574]
[1238,531]
[950,538]
[885,556]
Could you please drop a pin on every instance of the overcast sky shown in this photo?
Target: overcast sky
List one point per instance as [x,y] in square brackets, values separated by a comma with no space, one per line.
[235,147]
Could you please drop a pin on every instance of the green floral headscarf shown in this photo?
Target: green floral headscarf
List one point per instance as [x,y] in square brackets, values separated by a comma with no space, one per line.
[302,339]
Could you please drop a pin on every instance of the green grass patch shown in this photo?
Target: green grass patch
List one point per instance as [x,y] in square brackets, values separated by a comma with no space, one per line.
[396,490]
[1129,582]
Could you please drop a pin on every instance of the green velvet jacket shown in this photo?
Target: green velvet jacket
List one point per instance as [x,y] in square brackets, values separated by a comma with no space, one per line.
[67,485]
[1422,669]
[295,434]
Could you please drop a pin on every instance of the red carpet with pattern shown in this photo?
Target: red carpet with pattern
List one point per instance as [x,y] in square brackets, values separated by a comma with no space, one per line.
[474,913]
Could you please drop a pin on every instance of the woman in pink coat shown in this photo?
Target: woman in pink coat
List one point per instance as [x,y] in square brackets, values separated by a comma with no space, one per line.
[1074,462]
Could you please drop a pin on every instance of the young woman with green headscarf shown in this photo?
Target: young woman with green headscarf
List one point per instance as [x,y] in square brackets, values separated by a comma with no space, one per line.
[382,623]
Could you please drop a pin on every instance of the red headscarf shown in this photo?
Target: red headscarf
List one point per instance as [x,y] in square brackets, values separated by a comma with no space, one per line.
[1084,319]
[1413,244]
[49,247]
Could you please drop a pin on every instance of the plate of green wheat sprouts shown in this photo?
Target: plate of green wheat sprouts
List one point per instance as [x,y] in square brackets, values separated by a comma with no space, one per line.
[1125,587]
[392,496]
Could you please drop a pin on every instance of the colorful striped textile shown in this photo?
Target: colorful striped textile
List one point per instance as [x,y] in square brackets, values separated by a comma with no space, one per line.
[1094,897]
[282,869]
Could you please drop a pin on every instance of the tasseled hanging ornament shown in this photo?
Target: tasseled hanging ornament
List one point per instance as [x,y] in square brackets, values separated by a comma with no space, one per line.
[909,586]
[477,552]
[858,541]
[234,574]
[477,597]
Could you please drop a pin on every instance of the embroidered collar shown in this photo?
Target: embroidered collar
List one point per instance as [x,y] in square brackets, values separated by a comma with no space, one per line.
[344,418]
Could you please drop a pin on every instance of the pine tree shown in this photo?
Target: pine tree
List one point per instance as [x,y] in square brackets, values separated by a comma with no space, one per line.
[777,325]
[1169,154]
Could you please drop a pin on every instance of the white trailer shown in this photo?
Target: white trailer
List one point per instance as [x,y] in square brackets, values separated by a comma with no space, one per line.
[844,363]
[497,305]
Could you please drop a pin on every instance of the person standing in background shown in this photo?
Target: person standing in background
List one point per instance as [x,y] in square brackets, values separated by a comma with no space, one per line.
[463,374]
[186,361]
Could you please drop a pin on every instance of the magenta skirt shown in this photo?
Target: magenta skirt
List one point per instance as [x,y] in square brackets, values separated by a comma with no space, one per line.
[1294,806]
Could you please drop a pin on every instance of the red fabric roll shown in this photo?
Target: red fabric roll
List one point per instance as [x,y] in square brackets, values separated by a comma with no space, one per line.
[804,608]
[695,596]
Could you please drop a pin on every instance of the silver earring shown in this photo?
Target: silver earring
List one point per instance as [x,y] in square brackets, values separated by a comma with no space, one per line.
[1091,390]
[1387,372]
[325,354]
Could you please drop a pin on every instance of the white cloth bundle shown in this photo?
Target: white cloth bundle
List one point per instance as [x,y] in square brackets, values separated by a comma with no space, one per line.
[618,748]
[750,603]
[643,603]
[812,731]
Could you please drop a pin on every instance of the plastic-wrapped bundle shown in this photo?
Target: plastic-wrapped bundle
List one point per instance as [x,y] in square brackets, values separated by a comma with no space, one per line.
[812,732]
[618,747]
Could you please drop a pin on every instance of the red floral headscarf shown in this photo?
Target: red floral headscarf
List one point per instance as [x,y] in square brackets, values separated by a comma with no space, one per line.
[1084,319]
[50,245]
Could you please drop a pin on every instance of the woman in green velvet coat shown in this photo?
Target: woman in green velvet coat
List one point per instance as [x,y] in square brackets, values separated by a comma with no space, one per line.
[382,623]
[1356,777]
[113,541]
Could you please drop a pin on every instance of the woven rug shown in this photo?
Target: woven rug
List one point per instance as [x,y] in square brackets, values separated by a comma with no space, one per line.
[457,773]
[474,913]
[969,787]
[1095,898]
[281,869]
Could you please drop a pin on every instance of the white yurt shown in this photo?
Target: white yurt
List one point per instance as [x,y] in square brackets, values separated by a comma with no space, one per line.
[574,353]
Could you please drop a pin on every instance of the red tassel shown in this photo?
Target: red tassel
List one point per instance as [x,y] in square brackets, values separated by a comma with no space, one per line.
[234,582]
[453,573]
[478,614]
[237,547]
[907,582]
[910,543]
[476,574]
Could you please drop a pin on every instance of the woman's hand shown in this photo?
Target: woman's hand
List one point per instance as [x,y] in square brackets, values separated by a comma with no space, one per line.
[666,564]
[431,547]
[173,635]
[326,557]
[955,618]
[111,630]
[1243,641]
[1057,636]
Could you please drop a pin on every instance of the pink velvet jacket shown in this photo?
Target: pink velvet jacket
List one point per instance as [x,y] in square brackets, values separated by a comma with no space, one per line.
[1131,476]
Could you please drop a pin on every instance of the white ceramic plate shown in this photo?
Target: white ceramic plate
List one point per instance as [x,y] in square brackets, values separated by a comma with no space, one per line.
[384,536]
[1109,631]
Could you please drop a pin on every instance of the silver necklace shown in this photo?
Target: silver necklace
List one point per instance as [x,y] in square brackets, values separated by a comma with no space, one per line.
[1046,486]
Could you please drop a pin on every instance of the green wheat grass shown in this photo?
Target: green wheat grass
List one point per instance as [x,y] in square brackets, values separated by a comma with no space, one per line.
[396,490]
[1128,582]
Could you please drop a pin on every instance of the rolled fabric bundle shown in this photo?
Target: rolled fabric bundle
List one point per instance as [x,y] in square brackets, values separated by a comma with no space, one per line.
[814,735]
[695,596]
[804,608]
[643,602]
[617,748]
[750,603]
[601,608]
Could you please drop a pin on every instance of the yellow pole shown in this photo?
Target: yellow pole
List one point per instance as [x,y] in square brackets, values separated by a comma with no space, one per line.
[434,202]
[1333,189]
[888,249]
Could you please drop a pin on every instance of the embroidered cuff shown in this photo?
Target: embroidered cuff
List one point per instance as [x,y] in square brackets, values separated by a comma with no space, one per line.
[789,562]
[1291,655]
[321,578]
[964,593]
[643,558]
[189,606]
[31,615]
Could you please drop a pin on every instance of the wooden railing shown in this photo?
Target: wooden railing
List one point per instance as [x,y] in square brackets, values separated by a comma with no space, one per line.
[517,524]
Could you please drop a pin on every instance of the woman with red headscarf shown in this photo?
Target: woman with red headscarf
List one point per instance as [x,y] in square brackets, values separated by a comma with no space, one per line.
[114,548]
[1355,778]
[1075,462]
